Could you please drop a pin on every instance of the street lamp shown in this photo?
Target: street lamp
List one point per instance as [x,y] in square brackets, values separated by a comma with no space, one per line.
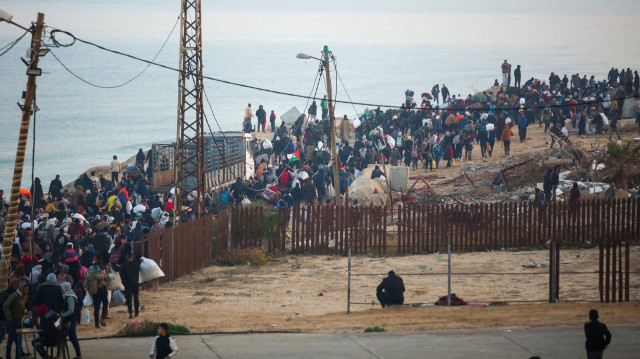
[6,16]
[306,57]
[332,119]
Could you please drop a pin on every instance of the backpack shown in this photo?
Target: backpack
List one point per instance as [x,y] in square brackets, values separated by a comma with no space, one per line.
[414,152]
[122,198]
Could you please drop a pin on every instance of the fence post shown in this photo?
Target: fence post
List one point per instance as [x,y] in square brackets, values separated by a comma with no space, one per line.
[349,281]
[553,272]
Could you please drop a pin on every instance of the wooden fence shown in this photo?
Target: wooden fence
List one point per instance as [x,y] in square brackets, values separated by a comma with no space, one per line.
[329,230]
[182,249]
[474,227]
[614,273]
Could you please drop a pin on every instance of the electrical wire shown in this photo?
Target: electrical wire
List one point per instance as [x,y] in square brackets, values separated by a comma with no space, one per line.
[56,43]
[484,109]
[344,88]
[13,43]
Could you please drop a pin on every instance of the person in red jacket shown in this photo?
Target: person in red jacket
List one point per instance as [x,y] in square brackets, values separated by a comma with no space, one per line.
[448,154]
[169,205]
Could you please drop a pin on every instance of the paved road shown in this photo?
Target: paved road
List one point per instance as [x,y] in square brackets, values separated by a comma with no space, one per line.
[522,343]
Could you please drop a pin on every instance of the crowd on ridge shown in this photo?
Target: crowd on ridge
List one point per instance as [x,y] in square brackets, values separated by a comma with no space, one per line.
[81,236]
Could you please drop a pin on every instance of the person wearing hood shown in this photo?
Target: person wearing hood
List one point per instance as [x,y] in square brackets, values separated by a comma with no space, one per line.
[261,114]
[13,286]
[130,272]
[50,294]
[376,173]
[140,158]
[70,315]
[13,309]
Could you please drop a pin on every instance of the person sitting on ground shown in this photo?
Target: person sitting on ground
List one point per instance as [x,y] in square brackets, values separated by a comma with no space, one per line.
[376,173]
[391,290]
[164,346]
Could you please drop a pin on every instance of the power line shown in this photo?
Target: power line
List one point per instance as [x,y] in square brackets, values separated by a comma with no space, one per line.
[485,109]
[58,44]
[13,43]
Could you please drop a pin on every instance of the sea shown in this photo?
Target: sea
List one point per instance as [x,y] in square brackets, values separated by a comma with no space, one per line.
[381,50]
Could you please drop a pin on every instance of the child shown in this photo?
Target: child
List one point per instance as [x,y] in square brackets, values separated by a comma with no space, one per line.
[164,346]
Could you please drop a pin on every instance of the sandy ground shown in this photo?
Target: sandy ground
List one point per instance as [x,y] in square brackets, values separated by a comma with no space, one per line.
[309,294]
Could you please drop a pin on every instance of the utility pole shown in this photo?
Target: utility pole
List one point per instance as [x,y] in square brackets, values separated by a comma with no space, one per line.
[332,121]
[10,228]
[189,170]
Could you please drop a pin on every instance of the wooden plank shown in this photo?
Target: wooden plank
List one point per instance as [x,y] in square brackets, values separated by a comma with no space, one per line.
[400,228]
[607,270]
[384,230]
[626,269]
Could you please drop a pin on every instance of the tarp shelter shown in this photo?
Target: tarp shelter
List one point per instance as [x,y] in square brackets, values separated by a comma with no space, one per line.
[290,116]
[628,110]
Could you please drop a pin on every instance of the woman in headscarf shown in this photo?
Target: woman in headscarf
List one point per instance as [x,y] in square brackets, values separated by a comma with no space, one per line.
[70,315]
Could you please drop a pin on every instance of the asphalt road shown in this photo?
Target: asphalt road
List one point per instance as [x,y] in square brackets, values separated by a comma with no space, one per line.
[518,343]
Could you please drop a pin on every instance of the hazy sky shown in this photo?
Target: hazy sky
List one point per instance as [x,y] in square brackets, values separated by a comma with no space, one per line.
[604,24]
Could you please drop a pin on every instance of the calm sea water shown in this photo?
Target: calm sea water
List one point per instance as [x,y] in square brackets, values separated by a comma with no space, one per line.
[80,126]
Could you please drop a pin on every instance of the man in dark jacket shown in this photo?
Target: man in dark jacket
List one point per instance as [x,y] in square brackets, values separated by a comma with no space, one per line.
[309,193]
[391,290]
[129,273]
[598,336]
[50,294]
[261,114]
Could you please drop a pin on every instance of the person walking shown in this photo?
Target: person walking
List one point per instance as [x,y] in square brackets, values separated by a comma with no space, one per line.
[391,290]
[555,181]
[115,170]
[435,92]
[506,138]
[523,123]
[445,93]
[598,336]
[13,309]
[517,75]
[324,107]
[130,272]
[613,127]
[437,154]
[272,119]
[506,72]
[96,284]
[164,346]
[70,316]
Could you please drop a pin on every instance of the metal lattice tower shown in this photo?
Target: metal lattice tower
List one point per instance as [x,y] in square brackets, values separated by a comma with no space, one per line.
[189,171]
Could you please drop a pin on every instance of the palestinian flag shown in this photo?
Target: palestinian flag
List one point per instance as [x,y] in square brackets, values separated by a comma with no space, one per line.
[294,157]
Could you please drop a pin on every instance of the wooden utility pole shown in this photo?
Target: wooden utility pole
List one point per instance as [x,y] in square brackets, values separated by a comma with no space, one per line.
[10,228]
[332,121]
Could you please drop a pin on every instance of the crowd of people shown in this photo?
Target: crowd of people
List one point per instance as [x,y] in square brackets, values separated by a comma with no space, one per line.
[438,130]
[70,242]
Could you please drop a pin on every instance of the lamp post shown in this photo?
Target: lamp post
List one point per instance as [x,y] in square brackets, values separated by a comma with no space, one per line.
[10,228]
[332,118]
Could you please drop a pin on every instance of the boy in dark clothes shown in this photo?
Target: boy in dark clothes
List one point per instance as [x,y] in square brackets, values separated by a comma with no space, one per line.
[164,346]
[129,273]
[598,336]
